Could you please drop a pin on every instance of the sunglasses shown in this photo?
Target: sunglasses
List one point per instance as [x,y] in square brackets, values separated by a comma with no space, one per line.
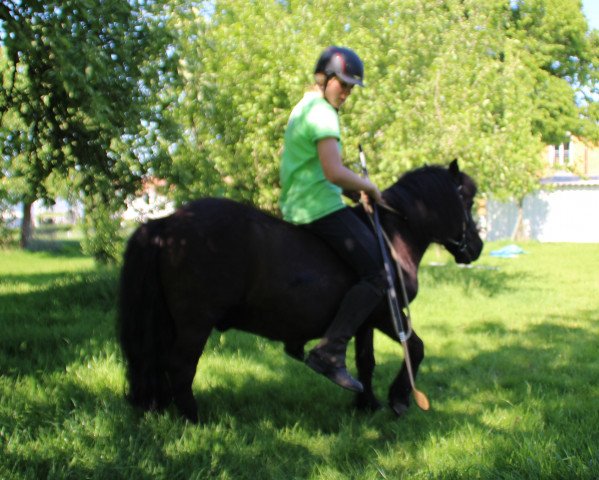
[346,87]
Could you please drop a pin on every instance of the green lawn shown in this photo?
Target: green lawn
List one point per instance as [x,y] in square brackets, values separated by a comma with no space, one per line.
[511,369]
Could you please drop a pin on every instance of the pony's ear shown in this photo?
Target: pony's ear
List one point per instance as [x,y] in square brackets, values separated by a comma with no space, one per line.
[454,169]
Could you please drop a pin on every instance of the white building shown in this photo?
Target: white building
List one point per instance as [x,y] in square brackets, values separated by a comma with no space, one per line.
[150,203]
[566,209]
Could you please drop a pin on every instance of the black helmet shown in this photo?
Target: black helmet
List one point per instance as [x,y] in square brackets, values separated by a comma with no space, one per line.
[342,63]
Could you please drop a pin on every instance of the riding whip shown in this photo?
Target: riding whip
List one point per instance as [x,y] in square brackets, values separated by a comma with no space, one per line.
[420,398]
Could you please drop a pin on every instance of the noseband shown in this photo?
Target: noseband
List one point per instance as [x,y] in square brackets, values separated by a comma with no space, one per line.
[462,243]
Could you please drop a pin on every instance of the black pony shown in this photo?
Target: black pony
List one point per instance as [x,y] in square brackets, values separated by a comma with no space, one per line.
[216,263]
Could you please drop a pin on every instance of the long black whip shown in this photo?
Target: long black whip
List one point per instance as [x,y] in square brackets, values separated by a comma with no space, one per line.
[420,398]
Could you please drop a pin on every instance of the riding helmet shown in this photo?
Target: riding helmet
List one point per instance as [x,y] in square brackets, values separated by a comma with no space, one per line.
[342,63]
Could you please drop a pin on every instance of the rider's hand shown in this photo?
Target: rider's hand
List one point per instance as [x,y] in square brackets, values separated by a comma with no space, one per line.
[365,201]
[373,192]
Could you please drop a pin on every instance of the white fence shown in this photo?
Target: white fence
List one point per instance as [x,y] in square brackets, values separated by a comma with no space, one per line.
[565,210]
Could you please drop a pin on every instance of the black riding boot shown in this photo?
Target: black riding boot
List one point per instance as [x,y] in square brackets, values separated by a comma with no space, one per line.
[328,357]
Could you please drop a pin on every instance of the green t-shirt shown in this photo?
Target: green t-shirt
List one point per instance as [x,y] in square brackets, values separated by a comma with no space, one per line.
[306,193]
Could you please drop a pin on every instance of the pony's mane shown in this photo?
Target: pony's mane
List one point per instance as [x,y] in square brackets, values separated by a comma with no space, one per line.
[426,196]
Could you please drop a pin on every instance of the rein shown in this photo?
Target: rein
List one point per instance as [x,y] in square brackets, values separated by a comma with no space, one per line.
[396,314]
[402,283]
[385,206]
[461,244]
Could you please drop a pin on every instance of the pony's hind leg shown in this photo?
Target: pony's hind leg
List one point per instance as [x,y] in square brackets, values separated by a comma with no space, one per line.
[183,363]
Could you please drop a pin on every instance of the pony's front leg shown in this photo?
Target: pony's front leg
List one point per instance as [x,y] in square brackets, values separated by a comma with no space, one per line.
[399,393]
[366,363]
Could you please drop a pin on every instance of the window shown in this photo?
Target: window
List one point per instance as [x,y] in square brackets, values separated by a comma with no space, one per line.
[561,154]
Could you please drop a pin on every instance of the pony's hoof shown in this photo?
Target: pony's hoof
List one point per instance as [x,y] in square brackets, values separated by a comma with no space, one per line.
[367,403]
[399,408]
[191,415]
[188,408]
[295,351]
[193,418]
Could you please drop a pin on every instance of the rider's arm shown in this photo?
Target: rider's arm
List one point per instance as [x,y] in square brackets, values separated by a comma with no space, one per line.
[335,172]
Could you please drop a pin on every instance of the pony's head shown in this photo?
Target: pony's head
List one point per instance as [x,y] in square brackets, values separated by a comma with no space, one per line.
[437,204]
[468,245]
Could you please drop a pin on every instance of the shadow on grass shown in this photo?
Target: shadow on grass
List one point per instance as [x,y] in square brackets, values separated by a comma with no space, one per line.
[256,427]
[112,441]
[548,370]
[49,327]
[490,281]
[247,418]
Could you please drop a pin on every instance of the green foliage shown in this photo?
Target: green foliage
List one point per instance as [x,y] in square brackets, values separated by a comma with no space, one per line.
[99,95]
[481,81]
[511,377]
[562,56]
[82,95]
[7,237]
[103,233]
[589,109]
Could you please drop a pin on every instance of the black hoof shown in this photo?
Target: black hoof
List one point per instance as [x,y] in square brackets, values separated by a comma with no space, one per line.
[295,351]
[192,418]
[399,408]
[187,407]
[367,403]
[337,375]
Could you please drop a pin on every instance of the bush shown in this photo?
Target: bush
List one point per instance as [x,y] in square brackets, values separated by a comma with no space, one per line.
[102,230]
[8,237]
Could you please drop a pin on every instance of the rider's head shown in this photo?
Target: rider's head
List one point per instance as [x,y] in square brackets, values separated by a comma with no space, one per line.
[344,67]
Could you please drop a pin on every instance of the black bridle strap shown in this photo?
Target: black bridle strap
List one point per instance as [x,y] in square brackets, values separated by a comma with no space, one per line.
[462,243]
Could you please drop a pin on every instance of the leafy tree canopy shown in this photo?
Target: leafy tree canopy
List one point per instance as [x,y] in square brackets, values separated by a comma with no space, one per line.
[79,90]
[81,94]
[486,81]
[96,92]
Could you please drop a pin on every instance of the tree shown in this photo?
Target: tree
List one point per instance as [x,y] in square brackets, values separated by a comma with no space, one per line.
[81,95]
[486,81]
[442,80]
[562,54]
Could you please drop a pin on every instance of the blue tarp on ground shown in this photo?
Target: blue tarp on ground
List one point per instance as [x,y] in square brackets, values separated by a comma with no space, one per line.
[509,251]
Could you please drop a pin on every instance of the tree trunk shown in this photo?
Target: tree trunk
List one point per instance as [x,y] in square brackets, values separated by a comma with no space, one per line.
[27,224]
[518,232]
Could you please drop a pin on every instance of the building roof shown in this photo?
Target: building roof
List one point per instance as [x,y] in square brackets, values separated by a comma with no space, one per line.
[568,179]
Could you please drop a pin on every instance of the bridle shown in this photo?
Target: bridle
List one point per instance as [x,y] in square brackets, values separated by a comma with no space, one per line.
[462,242]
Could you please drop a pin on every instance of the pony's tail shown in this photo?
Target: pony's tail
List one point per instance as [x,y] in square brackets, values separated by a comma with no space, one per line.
[144,323]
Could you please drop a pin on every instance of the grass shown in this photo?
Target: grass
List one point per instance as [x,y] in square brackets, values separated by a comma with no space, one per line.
[511,370]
